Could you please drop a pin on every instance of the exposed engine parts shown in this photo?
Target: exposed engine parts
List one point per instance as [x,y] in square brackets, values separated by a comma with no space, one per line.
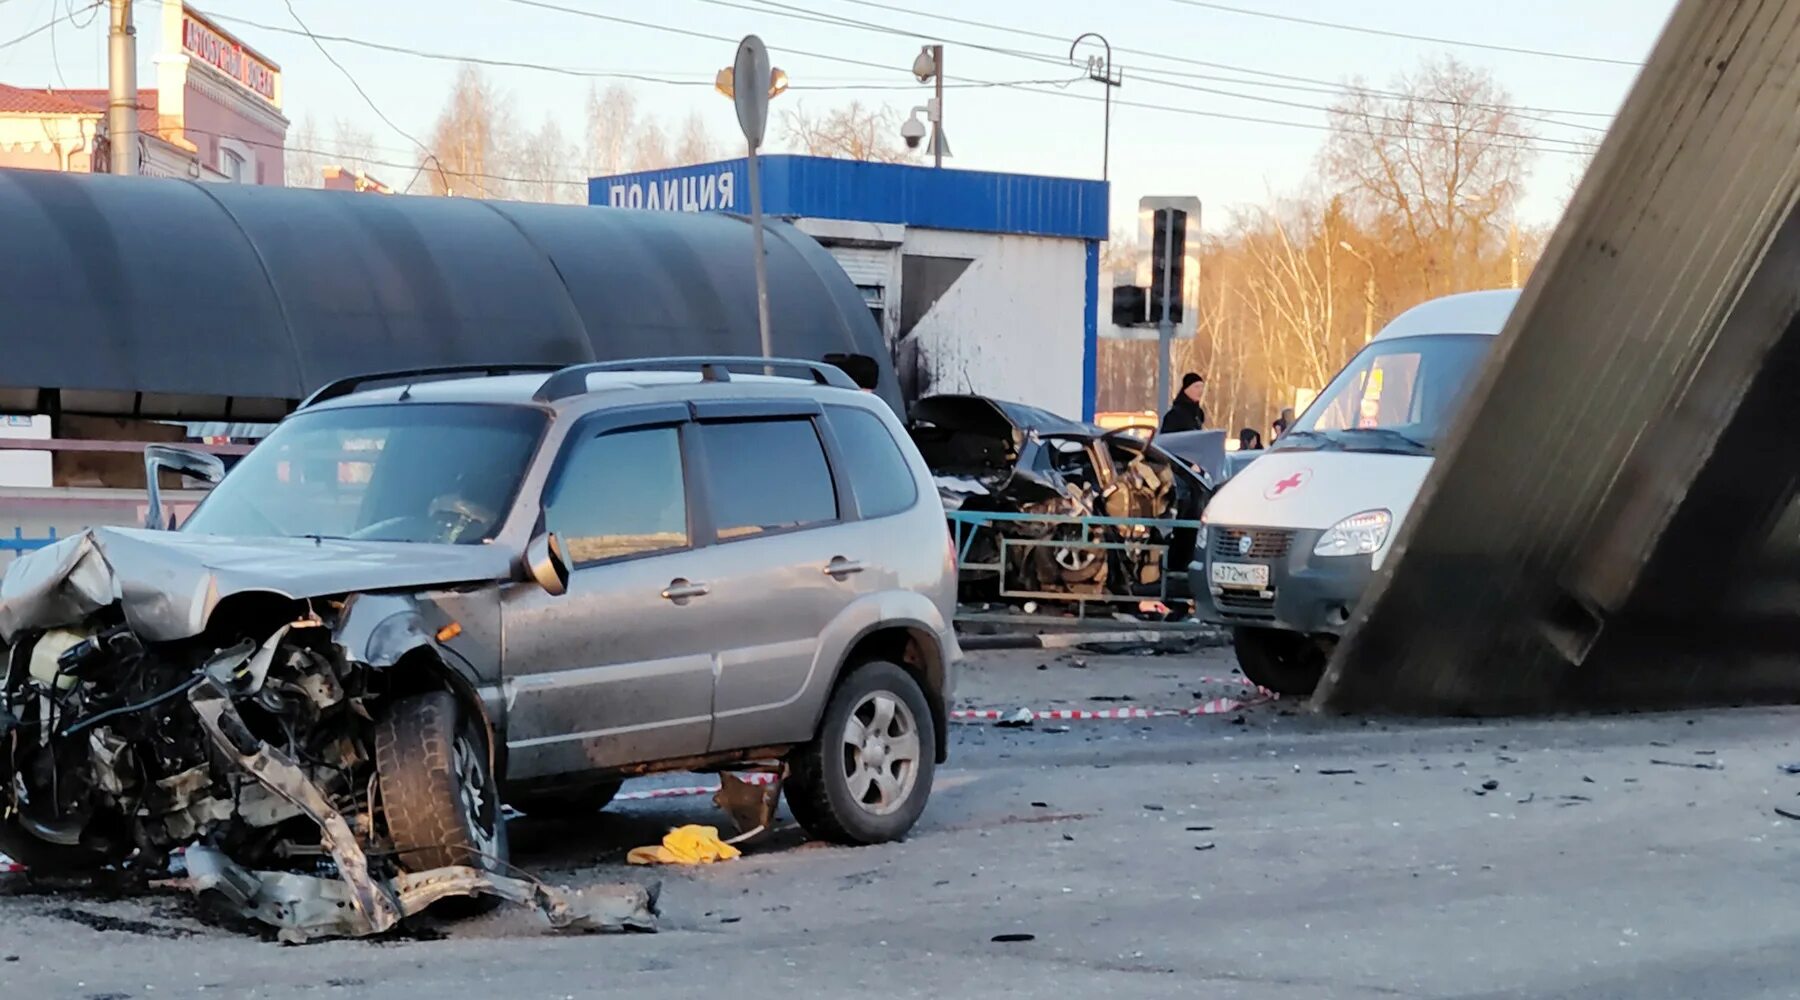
[1006,458]
[250,744]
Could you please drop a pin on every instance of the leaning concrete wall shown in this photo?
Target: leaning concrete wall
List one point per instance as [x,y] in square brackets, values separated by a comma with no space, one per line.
[1604,528]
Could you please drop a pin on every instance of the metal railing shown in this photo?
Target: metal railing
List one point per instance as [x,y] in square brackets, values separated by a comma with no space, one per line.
[1101,536]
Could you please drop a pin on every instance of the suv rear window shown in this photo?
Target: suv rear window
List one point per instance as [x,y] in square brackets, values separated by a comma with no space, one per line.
[766,475]
[878,471]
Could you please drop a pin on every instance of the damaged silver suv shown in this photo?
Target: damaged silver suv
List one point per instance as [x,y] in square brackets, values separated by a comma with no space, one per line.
[429,592]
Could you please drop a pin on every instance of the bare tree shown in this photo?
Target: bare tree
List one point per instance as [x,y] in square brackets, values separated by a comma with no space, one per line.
[851,132]
[302,166]
[544,162]
[1442,163]
[650,148]
[472,139]
[611,128]
[353,146]
[696,144]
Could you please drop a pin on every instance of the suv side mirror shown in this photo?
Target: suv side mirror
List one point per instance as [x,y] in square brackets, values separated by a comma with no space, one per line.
[157,457]
[547,564]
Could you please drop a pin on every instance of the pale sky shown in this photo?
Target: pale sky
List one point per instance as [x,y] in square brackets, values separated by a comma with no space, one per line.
[1045,128]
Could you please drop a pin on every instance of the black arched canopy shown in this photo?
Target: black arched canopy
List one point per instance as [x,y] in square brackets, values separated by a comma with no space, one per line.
[173,298]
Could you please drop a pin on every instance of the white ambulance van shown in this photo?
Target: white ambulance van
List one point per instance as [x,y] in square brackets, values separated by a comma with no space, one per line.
[1290,542]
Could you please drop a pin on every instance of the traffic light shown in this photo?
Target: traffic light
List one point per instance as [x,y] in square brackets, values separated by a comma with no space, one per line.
[1128,307]
[1168,251]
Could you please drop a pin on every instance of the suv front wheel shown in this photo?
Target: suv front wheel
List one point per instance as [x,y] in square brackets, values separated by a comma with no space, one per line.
[865,777]
[438,793]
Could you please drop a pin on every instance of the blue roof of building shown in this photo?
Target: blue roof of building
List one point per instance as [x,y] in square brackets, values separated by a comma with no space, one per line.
[820,187]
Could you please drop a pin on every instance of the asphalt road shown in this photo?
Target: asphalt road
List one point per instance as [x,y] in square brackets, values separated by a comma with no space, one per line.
[1145,858]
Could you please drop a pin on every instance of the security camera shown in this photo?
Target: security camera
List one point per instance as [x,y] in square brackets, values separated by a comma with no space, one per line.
[913,131]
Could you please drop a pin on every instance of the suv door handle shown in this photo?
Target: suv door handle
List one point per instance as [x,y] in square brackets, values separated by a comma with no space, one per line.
[681,591]
[841,567]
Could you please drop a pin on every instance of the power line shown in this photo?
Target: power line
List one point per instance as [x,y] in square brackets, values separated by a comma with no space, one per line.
[788,10]
[1069,95]
[1208,5]
[348,76]
[1317,85]
[33,33]
[340,155]
[455,57]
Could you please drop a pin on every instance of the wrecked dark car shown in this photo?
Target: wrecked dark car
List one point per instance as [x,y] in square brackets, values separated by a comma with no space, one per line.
[413,599]
[990,455]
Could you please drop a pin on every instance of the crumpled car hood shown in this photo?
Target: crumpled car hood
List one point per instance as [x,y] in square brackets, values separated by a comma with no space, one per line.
[169,582]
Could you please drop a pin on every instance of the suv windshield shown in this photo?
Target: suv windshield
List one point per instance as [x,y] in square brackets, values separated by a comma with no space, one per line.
[1395,396]
[407,472]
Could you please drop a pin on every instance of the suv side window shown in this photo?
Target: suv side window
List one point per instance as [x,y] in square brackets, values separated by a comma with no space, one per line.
[620,494]
[878,472]
[766,475]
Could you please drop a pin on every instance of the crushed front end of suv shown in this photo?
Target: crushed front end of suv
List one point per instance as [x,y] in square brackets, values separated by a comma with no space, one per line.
[994,456]
[410,602]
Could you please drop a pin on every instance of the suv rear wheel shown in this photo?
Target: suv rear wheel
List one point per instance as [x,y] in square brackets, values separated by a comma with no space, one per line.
[865,777]
[438,791]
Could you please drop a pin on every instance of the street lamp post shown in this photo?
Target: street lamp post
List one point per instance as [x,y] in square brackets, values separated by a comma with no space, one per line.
[761,83]
[1368,290]
[1100,69]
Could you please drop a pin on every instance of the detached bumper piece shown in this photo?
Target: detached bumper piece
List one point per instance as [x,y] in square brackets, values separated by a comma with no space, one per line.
[305,908]
[358,903]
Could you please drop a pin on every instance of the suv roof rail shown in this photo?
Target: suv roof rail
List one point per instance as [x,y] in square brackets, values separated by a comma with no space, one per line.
[355,383]
[572,381]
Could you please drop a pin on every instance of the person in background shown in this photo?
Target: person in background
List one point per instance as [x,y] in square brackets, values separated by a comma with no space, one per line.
[1283,422]
[1249,440]
[1185,413]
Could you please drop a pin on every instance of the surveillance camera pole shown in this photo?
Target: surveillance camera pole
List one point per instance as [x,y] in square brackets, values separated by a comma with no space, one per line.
[937,145]
[1105,74]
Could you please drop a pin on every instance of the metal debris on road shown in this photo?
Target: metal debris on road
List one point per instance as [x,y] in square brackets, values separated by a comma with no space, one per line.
[1698,765]
[1789,768]
[1336,770]
[1021,718]
[1785,814]
[1489,785]
[1012,938]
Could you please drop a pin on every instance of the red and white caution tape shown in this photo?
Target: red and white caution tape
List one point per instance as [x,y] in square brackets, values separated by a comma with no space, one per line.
[682,791]
[8,866]
[1026,716]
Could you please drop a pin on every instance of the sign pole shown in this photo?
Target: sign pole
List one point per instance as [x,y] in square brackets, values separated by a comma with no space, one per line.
[1165,328]
[750,92]
[762,269]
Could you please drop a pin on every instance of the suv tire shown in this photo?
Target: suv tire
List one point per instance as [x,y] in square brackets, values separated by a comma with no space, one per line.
[574,803]
[866,775]
[1287,663]
[438,791]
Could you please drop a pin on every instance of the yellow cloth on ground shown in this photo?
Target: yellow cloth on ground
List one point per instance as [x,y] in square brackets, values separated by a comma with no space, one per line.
[685,845]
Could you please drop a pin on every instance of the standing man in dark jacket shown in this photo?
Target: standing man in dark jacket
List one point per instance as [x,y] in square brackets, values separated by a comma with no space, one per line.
[1185,413]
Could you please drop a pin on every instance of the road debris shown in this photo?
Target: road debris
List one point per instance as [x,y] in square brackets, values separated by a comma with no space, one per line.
[1489,785]
[1336,770]
[1789,768]
[1786,814]
[306,908]
[1021,718]
[1698,765]
[686,845]
[1012,938]
[1209,845]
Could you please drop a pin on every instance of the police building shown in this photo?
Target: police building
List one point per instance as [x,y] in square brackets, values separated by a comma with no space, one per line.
[979,282]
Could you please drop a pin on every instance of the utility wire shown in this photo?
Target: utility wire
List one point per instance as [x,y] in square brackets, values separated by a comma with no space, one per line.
[340,155]
[351,77]
[33,33]
[454,57]
[1518,50]
[800,13]
[1070,95]
[1317,84]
